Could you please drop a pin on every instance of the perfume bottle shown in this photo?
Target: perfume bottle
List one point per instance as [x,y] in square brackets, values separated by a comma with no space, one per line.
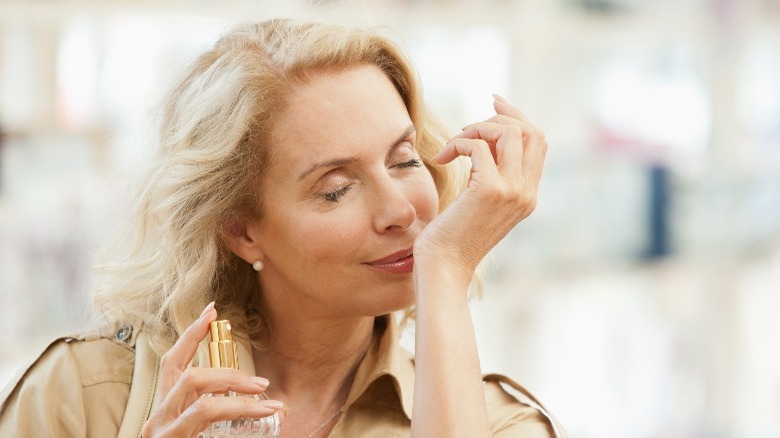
[223,354]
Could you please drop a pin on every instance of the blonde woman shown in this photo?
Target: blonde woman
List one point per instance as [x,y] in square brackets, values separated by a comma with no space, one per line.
[302,191]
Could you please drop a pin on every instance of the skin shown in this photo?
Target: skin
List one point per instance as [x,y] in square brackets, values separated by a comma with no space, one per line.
[318,231]
[329,222]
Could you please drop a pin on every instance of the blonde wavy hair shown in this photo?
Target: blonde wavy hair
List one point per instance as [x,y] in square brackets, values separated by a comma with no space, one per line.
[213,148]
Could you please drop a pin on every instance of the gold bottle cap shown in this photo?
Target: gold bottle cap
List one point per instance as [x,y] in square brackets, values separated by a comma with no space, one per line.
[222,348]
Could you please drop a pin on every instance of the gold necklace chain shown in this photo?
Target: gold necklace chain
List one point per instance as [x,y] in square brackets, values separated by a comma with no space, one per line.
[335,414]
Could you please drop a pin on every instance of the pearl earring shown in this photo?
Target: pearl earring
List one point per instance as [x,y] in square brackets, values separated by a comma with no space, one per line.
[257,265]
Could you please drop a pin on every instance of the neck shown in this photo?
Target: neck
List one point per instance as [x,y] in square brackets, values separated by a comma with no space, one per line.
[311,363]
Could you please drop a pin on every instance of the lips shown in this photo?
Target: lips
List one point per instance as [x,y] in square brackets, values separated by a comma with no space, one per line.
[394,257]
[400,262]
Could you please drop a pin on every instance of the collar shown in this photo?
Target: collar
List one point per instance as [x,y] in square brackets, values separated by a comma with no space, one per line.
[384,357]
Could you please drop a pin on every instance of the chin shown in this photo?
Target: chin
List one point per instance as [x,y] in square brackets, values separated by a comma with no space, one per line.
[386,298]
[401,301]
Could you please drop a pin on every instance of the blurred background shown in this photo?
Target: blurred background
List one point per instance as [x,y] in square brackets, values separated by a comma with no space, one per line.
[641,299]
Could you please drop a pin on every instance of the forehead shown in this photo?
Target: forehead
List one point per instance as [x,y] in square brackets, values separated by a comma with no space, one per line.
[333,114]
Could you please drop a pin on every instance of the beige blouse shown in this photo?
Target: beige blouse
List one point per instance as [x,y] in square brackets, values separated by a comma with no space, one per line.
[79,387]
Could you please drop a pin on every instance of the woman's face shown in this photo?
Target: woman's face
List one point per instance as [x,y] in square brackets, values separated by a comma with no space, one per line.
[344,198]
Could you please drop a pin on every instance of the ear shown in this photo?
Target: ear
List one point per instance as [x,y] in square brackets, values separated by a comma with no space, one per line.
[242,240]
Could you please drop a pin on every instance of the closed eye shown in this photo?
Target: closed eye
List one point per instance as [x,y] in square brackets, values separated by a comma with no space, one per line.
[335,195]
[411,163]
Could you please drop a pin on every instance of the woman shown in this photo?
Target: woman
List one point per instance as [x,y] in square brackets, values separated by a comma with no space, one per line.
[303,191]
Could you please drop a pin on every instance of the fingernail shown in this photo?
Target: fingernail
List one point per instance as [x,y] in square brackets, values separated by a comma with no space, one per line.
[208,307]
[261,381]
[274,404]
[499,98]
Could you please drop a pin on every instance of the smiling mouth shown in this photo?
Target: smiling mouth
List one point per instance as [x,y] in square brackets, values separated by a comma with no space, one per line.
[401,262]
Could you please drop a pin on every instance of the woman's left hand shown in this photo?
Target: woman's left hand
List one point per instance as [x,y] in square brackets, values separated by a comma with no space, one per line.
[507,154]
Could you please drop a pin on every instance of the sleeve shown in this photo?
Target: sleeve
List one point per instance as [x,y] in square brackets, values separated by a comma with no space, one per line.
[46,399]
[520,416]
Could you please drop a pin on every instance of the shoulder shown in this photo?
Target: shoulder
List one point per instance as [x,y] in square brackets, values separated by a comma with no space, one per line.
[73,382]
[515,412]
[102,358]
[94,357]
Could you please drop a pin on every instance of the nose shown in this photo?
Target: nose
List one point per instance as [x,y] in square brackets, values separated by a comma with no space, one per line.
[394,209]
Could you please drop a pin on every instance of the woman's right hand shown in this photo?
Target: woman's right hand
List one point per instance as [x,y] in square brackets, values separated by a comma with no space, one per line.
[182,411]
[507,154]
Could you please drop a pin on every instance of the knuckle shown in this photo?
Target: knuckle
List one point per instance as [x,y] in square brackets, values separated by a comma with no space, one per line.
[247,403]
[516,131]
[532,203]
[165,360]
[496,193]
[527,202]
[197,416]
[202,407]
[516,196]
[542,136]
[512,193]
[188,378]
[235,375]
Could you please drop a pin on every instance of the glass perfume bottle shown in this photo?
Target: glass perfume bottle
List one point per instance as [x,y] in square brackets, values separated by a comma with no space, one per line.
[223,354]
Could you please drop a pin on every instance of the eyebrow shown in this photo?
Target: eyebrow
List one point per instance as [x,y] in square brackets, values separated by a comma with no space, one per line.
[344,161]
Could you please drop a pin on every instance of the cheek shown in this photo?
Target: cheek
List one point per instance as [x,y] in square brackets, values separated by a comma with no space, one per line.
[322,238]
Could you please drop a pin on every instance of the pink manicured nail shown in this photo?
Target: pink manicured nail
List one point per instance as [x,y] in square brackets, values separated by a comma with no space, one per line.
[208,307]
[274,404]
[499,98]
[261,381]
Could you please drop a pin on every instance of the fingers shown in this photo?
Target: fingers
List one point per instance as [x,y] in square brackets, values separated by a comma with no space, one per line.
[534,140]
[518,146]
[506,141]
[191,397]
[195,382]
[533,162]
[502,106]
[207,410]
[175,361]
[482,159]
[180,355]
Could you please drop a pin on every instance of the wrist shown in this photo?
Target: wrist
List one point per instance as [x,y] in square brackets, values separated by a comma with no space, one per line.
[440,271]
[454,261]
